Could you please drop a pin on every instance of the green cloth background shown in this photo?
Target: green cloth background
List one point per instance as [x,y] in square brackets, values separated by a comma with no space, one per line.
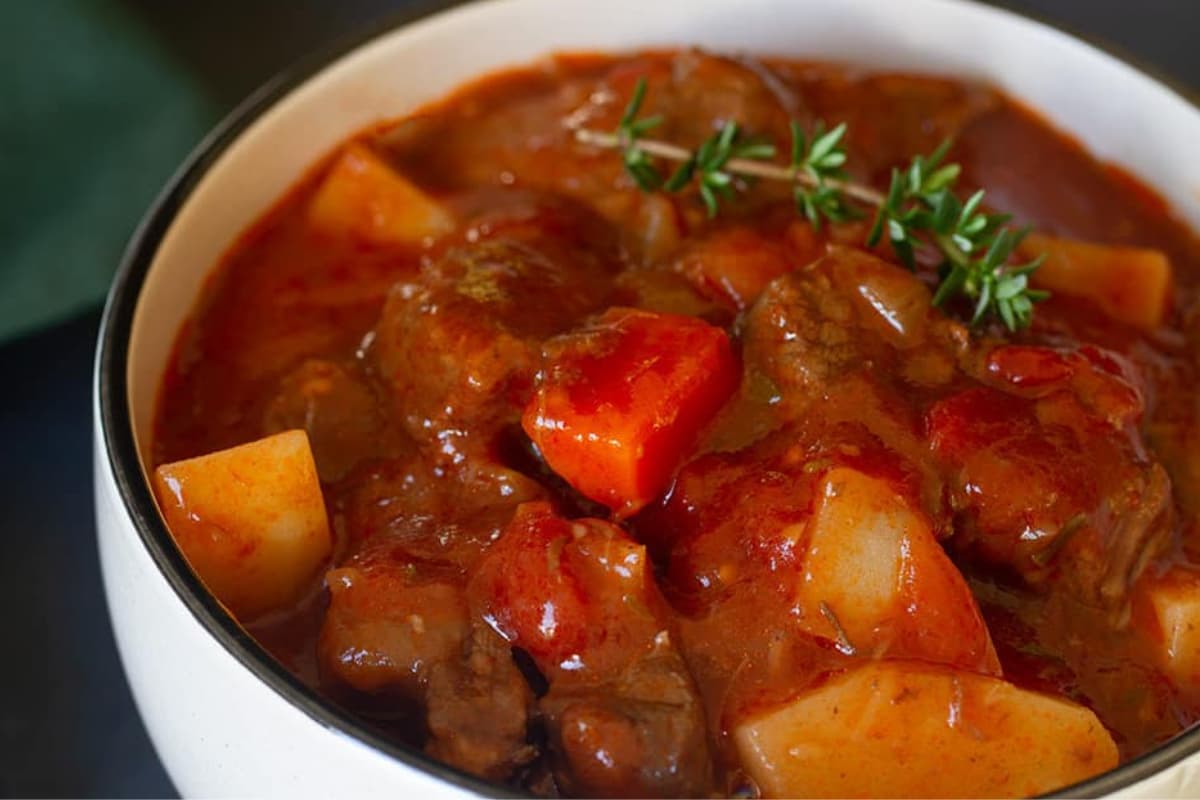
[94,117]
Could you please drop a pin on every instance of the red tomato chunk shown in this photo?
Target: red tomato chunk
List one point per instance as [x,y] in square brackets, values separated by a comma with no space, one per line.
[576,595]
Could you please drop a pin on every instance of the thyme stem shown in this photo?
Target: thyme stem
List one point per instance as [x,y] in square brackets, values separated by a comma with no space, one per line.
[919,210]
[740,166]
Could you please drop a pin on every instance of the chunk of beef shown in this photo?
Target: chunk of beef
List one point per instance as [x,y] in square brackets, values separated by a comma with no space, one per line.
[695,92]
[400,629]
[337,407]
[1049,475]
[733,265]
[922,112]
[431,513]
[458,347]
[579,597]
[706,90]
[850,340]
[389,621]
[801,333]
[641,734]
[846,313]
[397,603]
[477,709]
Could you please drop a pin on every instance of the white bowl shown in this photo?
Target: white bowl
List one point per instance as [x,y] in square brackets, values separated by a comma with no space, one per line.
[225,718]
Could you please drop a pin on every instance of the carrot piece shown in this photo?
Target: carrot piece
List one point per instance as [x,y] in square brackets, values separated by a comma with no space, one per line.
[619,403]
[1130,284]
[363,198]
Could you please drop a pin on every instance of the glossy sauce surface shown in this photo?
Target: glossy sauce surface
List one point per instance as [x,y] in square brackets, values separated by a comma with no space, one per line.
[1054,469]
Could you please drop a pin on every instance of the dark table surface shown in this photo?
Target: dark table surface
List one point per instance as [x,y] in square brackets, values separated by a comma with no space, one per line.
[67,722]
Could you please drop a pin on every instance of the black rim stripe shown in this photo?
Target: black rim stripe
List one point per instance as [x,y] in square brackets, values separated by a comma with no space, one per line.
[124,459]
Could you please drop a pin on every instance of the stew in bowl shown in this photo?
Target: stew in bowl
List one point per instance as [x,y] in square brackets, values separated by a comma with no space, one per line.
[676,424]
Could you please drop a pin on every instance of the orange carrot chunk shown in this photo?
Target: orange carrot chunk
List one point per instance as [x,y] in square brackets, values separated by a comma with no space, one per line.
[618,404]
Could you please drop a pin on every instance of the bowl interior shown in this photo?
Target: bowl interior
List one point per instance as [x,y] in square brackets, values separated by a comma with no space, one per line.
[1103,102]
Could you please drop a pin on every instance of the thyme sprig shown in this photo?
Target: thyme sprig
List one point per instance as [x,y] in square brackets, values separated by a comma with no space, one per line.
[708,165]
[975,246]
[629,131]
[919,210]
[820,158]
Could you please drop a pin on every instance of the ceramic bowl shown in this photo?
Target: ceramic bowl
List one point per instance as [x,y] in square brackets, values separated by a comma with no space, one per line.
[225,718]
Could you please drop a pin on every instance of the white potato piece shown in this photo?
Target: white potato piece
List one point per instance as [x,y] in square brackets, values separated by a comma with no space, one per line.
[1173,601]
[875,579]
[1130,284]
[905,729]
[251,520]
[362,197]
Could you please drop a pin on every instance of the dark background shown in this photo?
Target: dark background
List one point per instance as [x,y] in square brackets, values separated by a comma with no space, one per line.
[67,722]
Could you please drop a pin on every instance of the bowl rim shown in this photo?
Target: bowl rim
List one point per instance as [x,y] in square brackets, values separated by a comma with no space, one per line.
[122,455]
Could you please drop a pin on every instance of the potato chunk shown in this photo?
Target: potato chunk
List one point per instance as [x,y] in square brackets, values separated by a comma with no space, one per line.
[903,729]
[875,578]
[364,198]
[1173,602]
[1130,284]
[251,520]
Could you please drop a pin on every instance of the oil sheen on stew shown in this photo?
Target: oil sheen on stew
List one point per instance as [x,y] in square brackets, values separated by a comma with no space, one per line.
[585,492]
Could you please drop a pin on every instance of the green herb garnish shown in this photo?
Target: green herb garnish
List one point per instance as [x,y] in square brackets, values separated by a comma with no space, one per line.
[629,130]
[821,161]
[920,209]
[975,246]
[707,165]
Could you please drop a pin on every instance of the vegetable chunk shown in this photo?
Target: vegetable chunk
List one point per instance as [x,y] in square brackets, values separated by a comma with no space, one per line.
[876,578]
[1173,601]
[251,520]
[364,198]
[902,729]
[1130,284]
[619,403]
